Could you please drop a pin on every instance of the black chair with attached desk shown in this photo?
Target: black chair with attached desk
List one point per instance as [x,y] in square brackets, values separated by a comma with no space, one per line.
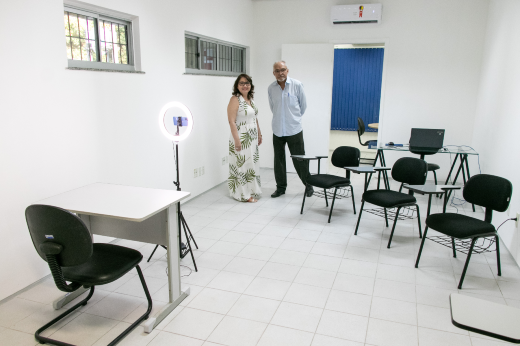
[65,243]
[341,157]
[406,170]
[488,191]
[432,167]
[360,132]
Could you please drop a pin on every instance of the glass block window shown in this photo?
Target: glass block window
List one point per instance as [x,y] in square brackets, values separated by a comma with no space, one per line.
[112,42]
[205,55]
[80,37]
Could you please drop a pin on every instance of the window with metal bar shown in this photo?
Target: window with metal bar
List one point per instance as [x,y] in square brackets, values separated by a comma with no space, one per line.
[192,54]
[204,55]
[94,40]
[80,37]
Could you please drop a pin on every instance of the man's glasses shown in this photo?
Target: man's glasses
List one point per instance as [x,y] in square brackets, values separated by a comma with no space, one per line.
[244,84]
[281,70]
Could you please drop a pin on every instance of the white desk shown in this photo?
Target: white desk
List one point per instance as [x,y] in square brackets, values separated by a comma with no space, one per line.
[484,317]
[134,213]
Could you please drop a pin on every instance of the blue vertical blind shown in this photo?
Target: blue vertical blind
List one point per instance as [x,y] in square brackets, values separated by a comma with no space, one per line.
[356,88]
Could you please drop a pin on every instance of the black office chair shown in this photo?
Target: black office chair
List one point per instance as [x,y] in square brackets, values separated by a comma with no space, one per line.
[361,131]
[406,170]
[341,157]
[64,242]
[488,191]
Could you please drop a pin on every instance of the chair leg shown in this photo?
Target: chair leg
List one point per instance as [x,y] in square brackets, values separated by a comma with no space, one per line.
[498,256]
[304,195]
[359,217]
[326,199]
[332,205]
[453,247]
[43,340]
[140,319]
[467,262]
[353,200]
[401,187]
[420,249]
[393,228]
[418,220]
[386,217]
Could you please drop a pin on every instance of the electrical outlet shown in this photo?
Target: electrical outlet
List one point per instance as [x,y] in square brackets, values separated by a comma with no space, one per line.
[516,222]
[195,173]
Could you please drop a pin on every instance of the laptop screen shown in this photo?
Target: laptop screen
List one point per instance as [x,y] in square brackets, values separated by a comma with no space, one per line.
[427,138]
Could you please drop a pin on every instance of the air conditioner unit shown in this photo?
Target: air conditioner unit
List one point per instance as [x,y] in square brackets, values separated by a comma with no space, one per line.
[356,14]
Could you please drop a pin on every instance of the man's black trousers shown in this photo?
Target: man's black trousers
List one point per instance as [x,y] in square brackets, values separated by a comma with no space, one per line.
[296,147]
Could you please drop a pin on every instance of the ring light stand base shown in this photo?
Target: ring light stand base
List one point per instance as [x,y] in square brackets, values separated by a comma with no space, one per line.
[184,249]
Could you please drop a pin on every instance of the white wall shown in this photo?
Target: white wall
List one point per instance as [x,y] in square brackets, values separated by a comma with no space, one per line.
[497,121]
[433,52]
[62,129]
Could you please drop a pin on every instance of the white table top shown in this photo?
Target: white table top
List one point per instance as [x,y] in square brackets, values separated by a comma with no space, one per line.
[485,317]
[116,201]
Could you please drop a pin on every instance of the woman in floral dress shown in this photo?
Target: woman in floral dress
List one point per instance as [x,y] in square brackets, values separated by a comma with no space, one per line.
[244,157]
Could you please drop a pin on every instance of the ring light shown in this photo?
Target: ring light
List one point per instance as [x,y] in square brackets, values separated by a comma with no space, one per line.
[163,120]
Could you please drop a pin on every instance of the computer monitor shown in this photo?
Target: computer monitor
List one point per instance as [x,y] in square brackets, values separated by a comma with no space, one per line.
[427,139]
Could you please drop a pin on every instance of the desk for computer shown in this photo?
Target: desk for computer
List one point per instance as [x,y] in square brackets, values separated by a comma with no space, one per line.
[459,153]
[134,213]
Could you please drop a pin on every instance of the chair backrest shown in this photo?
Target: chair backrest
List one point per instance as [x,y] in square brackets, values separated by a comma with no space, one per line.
[346,157]
[488,191]
[410,170]
[50,225]
[361,126]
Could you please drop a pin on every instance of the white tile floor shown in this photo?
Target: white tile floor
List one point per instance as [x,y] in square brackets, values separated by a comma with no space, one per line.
[269,276]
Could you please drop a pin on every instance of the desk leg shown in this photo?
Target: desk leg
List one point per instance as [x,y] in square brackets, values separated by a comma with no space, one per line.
[451,169]
[461,166]
[385,173]
[429,205]
[469,176]
[174,278]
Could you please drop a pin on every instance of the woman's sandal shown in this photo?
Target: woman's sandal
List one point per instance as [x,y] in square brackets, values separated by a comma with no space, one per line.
[252,200]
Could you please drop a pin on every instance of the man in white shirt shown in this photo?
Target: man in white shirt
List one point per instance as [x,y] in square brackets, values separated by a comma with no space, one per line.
[288,103]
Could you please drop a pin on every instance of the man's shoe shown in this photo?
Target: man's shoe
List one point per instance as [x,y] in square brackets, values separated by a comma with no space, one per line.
[278,193]
[309,191]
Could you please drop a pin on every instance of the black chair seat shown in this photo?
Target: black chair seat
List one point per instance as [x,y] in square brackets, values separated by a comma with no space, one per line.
[107,264]
[458,225]
[433,167]
[326,181]
[388,198]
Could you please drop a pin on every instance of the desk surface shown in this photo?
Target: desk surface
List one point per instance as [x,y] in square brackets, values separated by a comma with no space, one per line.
[449,149]
[366,169]
[485,317]
[431,189]
[116,201]
[374,126]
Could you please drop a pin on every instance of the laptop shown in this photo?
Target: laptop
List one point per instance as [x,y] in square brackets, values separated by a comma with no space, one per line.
[427,140]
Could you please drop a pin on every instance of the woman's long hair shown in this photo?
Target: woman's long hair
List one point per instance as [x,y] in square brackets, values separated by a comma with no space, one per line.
[250,94]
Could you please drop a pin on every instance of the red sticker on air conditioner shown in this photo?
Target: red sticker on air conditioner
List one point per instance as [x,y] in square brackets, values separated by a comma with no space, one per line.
[361,11]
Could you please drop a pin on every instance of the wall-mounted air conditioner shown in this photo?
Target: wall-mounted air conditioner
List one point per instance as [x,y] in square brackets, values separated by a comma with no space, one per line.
[356,14]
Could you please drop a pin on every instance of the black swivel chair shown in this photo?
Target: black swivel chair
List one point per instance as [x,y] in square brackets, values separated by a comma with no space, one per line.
[341,157]
[488,191]
[64,242]
[407,170]
[360,132]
